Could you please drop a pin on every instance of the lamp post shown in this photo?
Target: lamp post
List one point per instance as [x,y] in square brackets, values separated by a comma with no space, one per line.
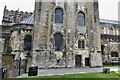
[19,65]
[19,61]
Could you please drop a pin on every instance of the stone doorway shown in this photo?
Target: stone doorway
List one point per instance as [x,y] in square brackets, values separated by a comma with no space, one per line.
[87,61]
[78,60]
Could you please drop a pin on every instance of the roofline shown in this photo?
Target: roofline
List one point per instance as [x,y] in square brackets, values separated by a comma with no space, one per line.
[22,24]
[115,22]
[109,20]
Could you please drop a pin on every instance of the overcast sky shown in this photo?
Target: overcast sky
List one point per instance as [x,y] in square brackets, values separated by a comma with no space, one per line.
[108,9]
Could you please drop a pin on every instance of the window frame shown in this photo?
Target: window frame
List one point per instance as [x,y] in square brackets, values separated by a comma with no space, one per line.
[55,16]
[81,44]
[30,42]
[55,43]
[78,16]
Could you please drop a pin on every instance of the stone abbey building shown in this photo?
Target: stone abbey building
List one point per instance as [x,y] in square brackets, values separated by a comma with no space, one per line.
[59,34]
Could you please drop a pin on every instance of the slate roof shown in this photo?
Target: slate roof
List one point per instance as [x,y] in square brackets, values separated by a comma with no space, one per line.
[28,20]
[109,21]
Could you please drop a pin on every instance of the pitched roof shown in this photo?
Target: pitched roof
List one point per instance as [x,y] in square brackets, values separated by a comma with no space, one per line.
[109,21]
[28,20]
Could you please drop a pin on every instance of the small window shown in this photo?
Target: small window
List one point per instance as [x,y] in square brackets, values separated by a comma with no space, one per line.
[81,19]
[58,15]
[111,31]
[114,54]
[28,43]
[81,44]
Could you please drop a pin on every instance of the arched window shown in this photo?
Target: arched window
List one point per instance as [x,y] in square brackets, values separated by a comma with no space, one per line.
[114,54]
[111,31]
[81,19]
[28,43]
[58,42]
[58,15]
[81,44]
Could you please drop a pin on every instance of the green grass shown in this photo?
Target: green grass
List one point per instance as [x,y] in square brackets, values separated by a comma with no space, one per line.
[109,65]
[75,76]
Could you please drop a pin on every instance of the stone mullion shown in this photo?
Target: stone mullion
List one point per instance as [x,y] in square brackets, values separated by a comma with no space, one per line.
[49,25]
[66,28]
[70,16]
[1,50]
[36,25]
[43,25]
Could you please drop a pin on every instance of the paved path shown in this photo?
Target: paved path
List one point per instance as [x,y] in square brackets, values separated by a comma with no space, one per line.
[49,72]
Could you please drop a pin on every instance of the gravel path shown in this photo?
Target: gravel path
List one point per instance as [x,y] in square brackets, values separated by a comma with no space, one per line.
[63,71]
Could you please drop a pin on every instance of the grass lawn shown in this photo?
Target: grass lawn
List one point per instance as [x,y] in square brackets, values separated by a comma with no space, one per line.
[88,76]
[109,65]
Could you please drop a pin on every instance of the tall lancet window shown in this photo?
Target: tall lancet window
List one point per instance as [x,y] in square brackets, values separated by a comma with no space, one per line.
[28,43]
[81,19]
[58,15]
[58,42]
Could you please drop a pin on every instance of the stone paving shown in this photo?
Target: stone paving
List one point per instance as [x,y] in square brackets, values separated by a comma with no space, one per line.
[63,71]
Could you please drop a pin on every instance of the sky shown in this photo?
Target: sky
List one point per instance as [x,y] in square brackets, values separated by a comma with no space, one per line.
[108,9]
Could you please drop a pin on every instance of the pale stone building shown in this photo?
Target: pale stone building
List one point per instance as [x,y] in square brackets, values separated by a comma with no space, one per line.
[63,34]
[66,34]
[110,41]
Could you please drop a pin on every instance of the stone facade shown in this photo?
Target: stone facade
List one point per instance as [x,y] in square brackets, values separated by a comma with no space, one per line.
[110,42]
[12,44]
[1,50]
[45,28]
[33,40]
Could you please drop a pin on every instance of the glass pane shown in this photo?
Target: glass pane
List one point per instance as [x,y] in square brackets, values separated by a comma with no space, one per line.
[83,44]
[58,15]
[79,44]
[28,42]
[81,19]
[58,42]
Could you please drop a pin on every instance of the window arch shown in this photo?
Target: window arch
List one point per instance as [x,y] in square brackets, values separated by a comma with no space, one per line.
[58,42]
[28,43]
[81,19]
[58,15]
[111,31]
[81,44]
[114,54]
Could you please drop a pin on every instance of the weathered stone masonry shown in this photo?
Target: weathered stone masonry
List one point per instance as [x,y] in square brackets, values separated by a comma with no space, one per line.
[45,28]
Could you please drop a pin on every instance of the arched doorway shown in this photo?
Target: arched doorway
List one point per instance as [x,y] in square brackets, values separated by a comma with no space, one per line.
[78,60]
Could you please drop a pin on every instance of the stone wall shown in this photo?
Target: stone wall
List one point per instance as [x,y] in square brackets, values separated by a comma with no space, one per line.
[7,63]
[1,50]
[45,26]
